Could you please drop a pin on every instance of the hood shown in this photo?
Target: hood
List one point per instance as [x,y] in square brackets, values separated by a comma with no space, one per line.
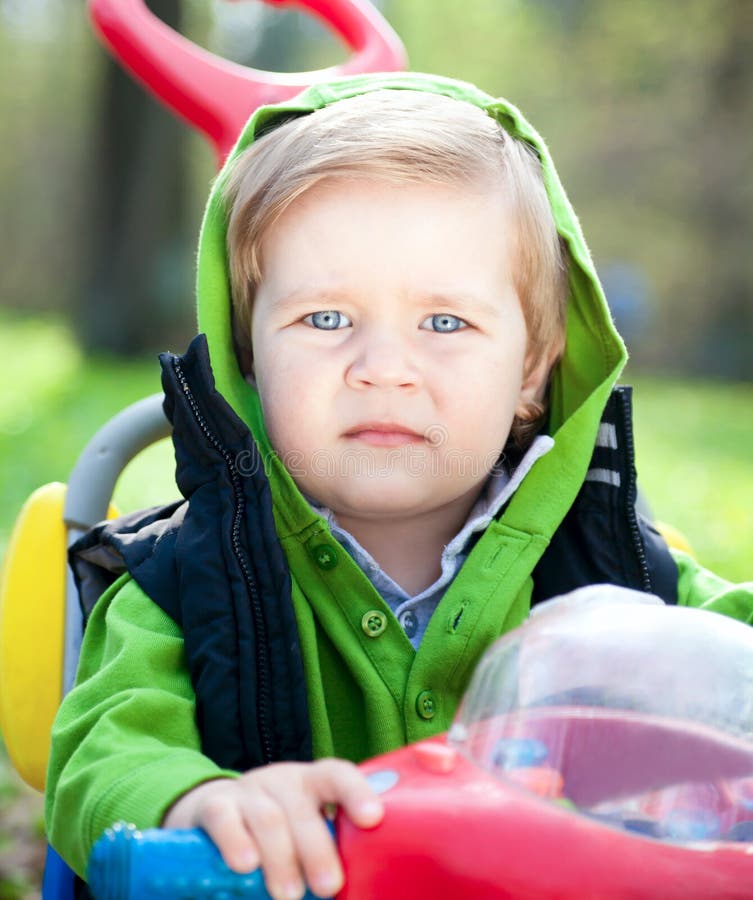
[582,381]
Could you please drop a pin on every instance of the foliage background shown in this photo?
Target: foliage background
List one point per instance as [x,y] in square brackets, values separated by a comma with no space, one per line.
[646,106]
[647,109]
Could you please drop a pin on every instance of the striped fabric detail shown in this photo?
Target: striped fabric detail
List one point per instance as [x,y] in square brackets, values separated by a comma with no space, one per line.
[607,436]
[606,476]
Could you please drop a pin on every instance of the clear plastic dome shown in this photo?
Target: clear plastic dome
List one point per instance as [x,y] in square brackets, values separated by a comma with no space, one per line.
[631,712]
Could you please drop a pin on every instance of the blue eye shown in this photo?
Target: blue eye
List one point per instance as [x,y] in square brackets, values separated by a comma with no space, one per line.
[443,323]
[328,320]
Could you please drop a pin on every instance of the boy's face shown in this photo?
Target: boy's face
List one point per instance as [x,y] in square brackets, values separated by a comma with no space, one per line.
[389,345]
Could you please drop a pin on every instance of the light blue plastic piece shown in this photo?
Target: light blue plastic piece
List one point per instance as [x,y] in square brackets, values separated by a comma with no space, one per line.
[166,864]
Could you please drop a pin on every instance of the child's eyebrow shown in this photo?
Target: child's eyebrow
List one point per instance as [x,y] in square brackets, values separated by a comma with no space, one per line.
[326,298]
[310,296]
[468,303]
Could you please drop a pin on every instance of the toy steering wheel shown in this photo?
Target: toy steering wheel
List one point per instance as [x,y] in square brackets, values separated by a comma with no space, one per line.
[217,96]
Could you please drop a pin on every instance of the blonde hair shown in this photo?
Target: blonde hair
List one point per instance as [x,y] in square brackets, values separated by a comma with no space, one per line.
[400,137]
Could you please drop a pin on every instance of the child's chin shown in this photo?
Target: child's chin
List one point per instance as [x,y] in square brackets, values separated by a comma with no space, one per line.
[387,497]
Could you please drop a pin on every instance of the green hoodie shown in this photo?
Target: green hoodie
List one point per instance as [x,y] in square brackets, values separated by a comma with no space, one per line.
[125,743]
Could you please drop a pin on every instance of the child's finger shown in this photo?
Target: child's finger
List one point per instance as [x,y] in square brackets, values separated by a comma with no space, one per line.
[221,818]
[341,782]
[316,849]
[268,822]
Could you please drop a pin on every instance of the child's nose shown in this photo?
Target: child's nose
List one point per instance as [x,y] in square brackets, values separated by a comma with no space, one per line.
[383,361]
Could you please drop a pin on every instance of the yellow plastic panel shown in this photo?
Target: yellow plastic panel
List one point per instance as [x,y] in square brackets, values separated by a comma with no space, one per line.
[32,629]
[32,622]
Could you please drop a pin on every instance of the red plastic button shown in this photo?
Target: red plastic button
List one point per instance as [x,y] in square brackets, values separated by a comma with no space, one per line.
[437,758]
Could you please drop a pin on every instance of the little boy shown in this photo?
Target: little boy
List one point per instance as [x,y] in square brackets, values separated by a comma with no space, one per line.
[386,267]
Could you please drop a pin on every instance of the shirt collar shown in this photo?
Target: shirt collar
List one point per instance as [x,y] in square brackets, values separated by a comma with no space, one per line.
[499,487]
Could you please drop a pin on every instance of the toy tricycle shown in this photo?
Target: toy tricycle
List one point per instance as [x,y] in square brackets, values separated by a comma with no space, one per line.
[603,749]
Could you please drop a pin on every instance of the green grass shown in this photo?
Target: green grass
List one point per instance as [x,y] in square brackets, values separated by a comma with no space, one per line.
[53,401]
[695,466]
[22,843]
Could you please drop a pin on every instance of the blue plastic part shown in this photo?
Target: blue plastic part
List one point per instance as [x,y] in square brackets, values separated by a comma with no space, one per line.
[519,753]
[692,825]
[645,826]
[742,831]
[157,864]
[58,880]
[382,781]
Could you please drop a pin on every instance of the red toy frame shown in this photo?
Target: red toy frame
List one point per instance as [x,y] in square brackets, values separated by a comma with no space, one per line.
[216,96]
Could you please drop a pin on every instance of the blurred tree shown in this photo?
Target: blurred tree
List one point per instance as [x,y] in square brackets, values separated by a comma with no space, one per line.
[723,202]
[138,286]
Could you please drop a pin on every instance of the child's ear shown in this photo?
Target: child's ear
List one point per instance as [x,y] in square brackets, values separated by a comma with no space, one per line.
[536,373]
[246,364]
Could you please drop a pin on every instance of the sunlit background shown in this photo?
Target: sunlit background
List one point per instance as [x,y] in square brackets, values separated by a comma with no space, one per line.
[647,107]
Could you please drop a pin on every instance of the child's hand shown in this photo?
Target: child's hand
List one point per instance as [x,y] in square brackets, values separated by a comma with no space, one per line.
[272,817]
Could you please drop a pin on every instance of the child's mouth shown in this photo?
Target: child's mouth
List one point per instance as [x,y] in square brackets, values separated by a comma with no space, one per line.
[384,434]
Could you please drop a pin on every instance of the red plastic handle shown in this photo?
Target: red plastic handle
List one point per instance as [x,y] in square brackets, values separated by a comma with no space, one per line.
[216,96]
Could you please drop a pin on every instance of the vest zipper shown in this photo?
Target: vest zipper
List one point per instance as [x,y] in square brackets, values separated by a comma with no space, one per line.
[630,496]
[239,507]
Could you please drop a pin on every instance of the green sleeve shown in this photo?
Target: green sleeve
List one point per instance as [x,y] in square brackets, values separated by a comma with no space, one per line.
[125,744]
[700,588]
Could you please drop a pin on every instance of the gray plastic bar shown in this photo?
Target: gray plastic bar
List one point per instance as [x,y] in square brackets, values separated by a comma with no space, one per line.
[90,489]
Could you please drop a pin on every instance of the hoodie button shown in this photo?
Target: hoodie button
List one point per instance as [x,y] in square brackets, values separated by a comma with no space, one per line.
[373,623]
[425,705]
[325,556]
